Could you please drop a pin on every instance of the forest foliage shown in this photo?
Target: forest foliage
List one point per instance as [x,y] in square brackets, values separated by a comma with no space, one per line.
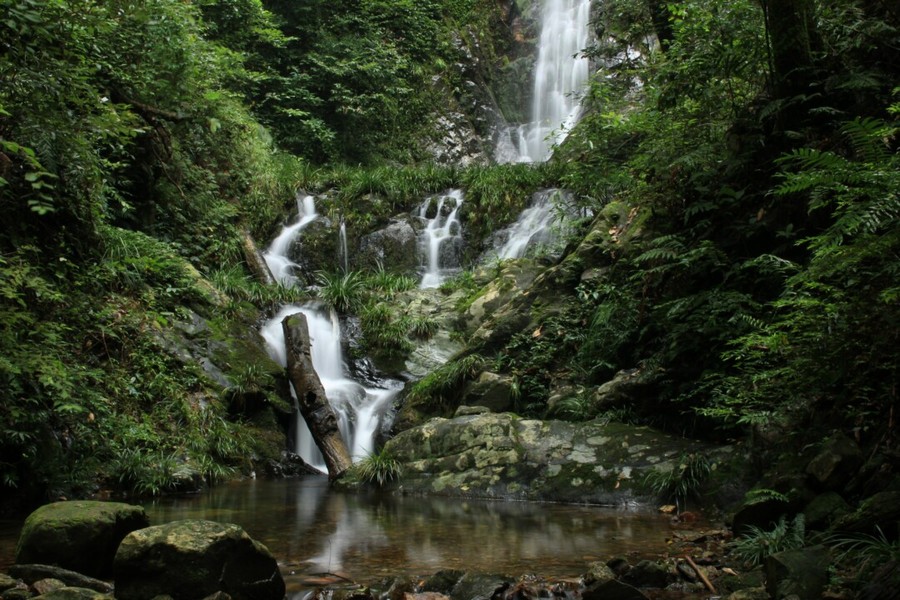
[139,138]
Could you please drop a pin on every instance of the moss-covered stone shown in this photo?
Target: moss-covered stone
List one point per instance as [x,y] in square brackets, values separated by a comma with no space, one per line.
[194,559]
[78,535]
[504,456]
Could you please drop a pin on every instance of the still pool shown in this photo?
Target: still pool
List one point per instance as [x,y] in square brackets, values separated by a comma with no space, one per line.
[313,530]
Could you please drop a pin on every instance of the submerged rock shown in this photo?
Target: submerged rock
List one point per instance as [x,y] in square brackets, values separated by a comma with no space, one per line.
[78,535]
[194,559]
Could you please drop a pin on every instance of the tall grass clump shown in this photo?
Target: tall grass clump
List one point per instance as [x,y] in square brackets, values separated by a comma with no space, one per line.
[757,544]
[379,468]
[341,291]
[442,383]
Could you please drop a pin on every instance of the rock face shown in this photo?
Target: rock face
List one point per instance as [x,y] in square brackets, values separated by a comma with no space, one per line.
[78,535]
[395,247]
[503,456]
[193,559]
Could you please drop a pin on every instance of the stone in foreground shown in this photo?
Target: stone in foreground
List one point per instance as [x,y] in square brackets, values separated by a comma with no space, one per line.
[194,559]
[78,535]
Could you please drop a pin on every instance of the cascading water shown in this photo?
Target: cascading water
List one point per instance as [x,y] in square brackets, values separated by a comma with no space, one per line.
[561,74]
[541,224]
[345,256]
[441,237]
[531,228]
[359,410]
[276,257]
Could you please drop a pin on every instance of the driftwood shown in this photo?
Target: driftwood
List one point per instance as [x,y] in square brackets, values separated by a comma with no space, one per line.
[314,406]
[703,577]
[255,260]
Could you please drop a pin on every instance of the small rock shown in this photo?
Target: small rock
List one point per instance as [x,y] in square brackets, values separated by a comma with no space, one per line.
[647,574]
[836,463]
[32,573]
[44,586]
[754,593]
[467,411]
[74,593]
[7,582]
[612,590]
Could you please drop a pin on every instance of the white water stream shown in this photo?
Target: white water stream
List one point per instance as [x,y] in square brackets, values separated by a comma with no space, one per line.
[276,255]
[560,77]
[543,223]
[359,410]
[441,237]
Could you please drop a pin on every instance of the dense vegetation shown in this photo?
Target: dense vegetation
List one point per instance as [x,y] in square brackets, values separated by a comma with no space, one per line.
[744,175]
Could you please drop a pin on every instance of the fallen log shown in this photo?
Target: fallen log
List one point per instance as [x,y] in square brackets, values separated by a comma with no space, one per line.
[255,260]
[314,406]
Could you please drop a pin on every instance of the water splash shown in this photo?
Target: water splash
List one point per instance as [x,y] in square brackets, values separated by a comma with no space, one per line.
[541,224]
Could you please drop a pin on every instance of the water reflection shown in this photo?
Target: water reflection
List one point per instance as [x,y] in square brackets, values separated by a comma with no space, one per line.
[313,530]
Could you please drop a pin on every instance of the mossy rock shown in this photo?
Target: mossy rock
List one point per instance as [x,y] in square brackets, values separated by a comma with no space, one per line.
[79,535]
[194,559]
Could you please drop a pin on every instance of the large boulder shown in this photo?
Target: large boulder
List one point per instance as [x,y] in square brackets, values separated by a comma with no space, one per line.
[395,247]
[78,535]
[504,456]
[193,559]
[801,573]
[836,463]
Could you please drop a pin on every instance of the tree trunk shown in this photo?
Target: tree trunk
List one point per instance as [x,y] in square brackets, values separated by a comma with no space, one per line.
[314,404]
[791,28]
[659,14]
[255,260]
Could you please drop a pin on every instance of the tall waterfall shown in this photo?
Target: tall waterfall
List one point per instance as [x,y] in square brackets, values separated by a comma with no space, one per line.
[560,76]
[442,236]
[359,410]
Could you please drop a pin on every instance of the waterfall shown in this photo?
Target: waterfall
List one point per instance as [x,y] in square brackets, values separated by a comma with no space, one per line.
[359,410]
[560,76]
[441,237]
[276,258]
[531,228]
[345,256]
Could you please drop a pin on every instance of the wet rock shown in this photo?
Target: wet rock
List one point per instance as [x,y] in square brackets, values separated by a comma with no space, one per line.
[802,572]
[612,589]
[504,456]
[425,596]
[837,462]
[479,586]
[78,535]
[193,559]
[753,593]
[442,582]
[316,249]
[20,592]
[7,582]
[619,565]
[825,509]
[354,593]
[33,573]
[881,508]
[647,574]
[598,572]
[49,584]
[621,390]
[490,390]
[74,593]
[467,411]
[399,588]
[395,247]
